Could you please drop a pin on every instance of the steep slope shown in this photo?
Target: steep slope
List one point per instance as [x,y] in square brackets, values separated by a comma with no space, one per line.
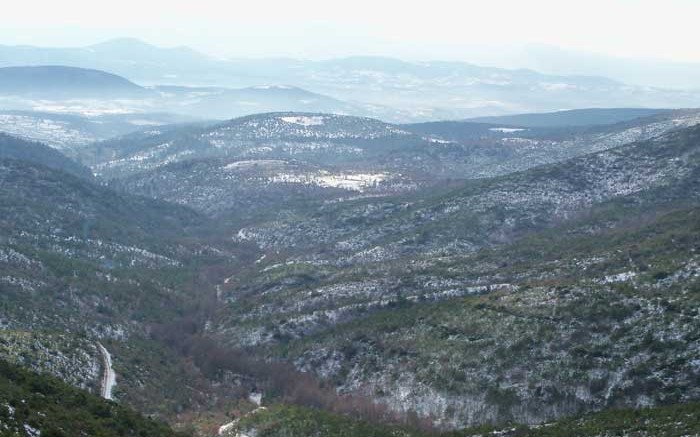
[60,81]
[566,288]
[487,150]
[491,211]
[32,405]
[36,404]
[42,200]
[81,265]
[77,256]
[37,153]
[531,349]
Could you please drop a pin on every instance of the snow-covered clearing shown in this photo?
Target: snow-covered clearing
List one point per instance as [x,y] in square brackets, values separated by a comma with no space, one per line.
[304,120]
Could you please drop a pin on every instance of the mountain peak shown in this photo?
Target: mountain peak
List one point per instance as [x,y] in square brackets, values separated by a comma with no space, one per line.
[122,43]
[131,46]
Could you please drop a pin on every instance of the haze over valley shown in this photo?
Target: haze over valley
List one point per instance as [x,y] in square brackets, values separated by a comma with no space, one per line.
[252,239]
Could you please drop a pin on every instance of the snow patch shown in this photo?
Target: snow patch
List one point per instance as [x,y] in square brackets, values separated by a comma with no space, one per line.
[31,431]
[506,130]
[347,181]
[245,164]
[315,120]
[619,277]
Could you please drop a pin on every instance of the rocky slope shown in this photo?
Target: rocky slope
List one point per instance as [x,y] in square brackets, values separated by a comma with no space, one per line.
[566,288]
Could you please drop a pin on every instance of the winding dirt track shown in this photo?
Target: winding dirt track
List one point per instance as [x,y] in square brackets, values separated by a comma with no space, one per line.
[109,378]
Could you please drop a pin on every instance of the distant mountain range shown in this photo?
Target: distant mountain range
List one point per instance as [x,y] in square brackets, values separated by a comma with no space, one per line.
[654,72]
[415,91]
[126,57]
[62,82]
[572,118]
[74,90]
[219,102]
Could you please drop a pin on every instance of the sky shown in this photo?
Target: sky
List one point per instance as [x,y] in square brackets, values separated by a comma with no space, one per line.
[435,29]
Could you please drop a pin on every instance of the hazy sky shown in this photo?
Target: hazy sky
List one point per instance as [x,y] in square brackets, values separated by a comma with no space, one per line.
[325,28]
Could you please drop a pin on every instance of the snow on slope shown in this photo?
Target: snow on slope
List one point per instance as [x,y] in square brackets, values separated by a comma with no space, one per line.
[304,120]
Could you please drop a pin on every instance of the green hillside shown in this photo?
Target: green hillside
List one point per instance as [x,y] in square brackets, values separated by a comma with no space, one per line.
[36,405]
[669,421]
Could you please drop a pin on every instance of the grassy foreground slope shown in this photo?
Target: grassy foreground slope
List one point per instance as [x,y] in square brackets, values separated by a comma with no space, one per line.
[36,405]
[287,421]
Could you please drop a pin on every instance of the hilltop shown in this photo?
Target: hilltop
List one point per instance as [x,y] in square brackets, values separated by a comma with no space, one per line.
[37,153]
[67,82]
